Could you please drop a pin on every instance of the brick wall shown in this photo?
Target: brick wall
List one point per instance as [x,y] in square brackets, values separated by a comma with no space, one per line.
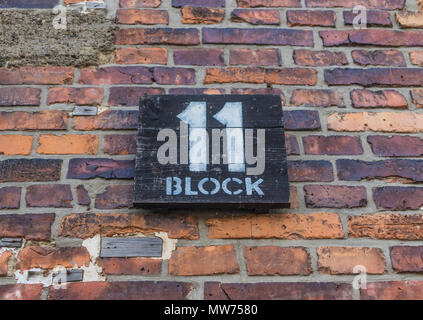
[352,107]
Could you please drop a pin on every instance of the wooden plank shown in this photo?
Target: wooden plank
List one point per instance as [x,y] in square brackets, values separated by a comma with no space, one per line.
[11,242]
[131,247]
[73,275]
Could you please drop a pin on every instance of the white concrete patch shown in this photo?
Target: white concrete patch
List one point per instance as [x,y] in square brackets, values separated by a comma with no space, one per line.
[93,271]
[169,245]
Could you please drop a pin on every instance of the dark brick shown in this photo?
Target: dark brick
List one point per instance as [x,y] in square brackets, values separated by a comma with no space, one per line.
[398,198]
[301,120]
[115,197]
[396,146]
[49,195]
[199,57]
[10,197]
[269,3]
[111,119]
[292,147]
[363,98]
[13,96]
[374,18]
[260,91]
[177,76]
[393,290]
[130,96]
[182,36]
[84,168]
[198,3]
[181,90]
[311,18]
[29,226]
[39,4]
[379,58]
[138,266]
[195,15]
[320,196]
[256,16]
[332,145]
[26,170]
[320,58]
[140,3]
[278,291]
[116,75]
[115,144]
[373,4]
[407,258]
[310,170]
[82,195]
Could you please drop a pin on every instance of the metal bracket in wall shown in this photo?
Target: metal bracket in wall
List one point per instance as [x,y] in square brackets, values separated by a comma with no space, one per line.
[96,5]
[84,111]
[131,247]
[11,242]
[73,275]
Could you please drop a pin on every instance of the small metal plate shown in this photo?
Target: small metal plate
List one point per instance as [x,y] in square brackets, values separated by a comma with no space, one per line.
[131,247]
[84,111]
[11,242]
[73,275]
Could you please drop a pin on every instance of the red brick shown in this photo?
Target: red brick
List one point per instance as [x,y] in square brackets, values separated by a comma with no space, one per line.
[115,197]
[310,170]
[311,18]
[317,98]
[84,96]
[342,260]
[269,3]
[68,144]
[177,76]
[326,196]
[122,290]
[379,58]
[116,75]
[139,3]
[196,15]
[87,225]
[266,90]
[256,16]
[417,96]
[141,55]
[271,260]
[396,146]
[363,98]
[111,119]
[13,96]
[416,58]
[292,76]
[21,291]
[15,145]
[82,195]
[181,90]
[393,290]
[292,147]
[301,120]
[138,266]
[43,120]
[144,16]
[251,57]
[199,57]
[49,257]
[4,259]
[332,145]
[29,226]
[85,168]
[374,18]
[120,144]
[407,258]
[10,197]
[373,4]
[398,198]
[49,195]
[195,261]
[183,36]
[294,199]
[278,291]
[319,225]
[37,75]
[130,96]
[25,170]
[319,58]
[335,37]
[233,74]
[199,3]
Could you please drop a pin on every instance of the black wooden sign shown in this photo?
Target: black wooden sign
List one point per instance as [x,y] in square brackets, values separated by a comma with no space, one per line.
[203,151]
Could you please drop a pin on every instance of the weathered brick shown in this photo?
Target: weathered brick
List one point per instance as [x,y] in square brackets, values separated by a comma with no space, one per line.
[407,258]
[26,170]
[87,225]
[140,3]
[198,3]
[85,168]
[356,170]
[398,198]
[15,145]
[301,120]
[310,170]
[410,19]
[272,260]
[111,119]
[251,57]
[82,196]
[122,290]
[317,98]
[335,37]
[393,290]
[49,195]
[416,57]
[142,16]
[37,75]
[199,57]
[326,196]
[258,36]
[374,18]
[400,122]
[363,98]
[136,266]
[373,4]
[10,197]
[332,145]
[294,198]
[379,58]
[116,75]
[68,144]
[177,76]
[120,144]
[256,16]
[43,120]
[195,261]
[292,147]
[278,291]
[130,96]
[320,58]
[234,74]
[269,3]
[318,225]
[29,226]
[182,36]
[386,226]
[311,18]
[4,259]
[21,291]
[84,96]
[196,15]
[396,146]
[141,55]
[115,197]
[14,96]
[266,90]
[292,76]
[181,90]
[342,260]
[49,257]
[417,96]
[39,4]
